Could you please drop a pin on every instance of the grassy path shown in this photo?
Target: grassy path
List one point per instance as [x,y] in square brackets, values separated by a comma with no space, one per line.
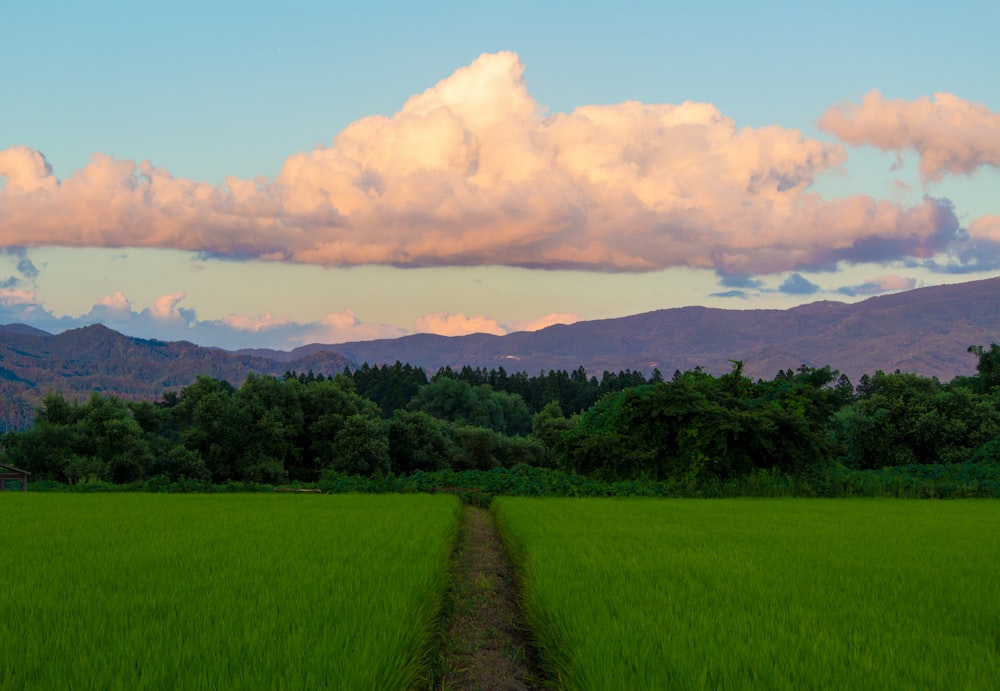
[485,645]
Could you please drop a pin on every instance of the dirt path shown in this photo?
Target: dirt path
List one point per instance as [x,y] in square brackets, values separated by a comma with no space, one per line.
[485,646]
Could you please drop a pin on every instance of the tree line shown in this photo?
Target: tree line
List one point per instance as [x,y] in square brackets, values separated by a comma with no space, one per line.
[392,420]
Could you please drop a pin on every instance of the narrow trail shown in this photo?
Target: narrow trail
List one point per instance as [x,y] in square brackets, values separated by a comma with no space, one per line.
[485,645]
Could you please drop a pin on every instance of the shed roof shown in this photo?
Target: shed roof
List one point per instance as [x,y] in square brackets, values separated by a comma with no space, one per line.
[4,466]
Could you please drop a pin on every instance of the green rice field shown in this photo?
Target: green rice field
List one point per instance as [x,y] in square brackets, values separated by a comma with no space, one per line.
[139,591]
[769,594]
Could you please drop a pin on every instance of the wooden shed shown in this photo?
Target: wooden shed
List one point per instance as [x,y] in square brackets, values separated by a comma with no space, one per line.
[12,478]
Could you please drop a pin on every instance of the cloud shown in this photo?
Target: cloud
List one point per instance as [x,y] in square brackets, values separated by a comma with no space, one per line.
[11,297]
[546,321]
[265,322]
[25,266]
[986,228]
[116,303]
[739,281]
[877,286]
[445,324]
[334,327]
[977,248]
[742,294]
[796,284]
[166,321]
[165,307]
[473,172]
[950,134]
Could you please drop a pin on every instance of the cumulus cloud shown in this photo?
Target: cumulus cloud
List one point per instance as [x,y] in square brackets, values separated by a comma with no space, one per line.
[117,302]
[473,172]
[165,307]
[950,134]
[877,286]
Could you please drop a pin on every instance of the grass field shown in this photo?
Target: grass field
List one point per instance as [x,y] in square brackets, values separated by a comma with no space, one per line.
[220,591]
[865,594]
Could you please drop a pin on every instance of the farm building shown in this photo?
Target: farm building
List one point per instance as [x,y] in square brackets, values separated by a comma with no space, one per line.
[13,478]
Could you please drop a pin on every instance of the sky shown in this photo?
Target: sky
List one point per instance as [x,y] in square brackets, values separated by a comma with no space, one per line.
[276,174]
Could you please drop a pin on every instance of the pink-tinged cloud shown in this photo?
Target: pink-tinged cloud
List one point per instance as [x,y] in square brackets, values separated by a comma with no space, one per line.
[473,172]
[117,302]
[334,327]
[445,324]
[18,296]
[242,322]
[165,307]
[986,228]
[341,327]
[950,134]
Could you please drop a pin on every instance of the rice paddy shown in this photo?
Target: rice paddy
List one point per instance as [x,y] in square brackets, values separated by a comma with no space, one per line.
[133,591]
[656,594]
[215,591]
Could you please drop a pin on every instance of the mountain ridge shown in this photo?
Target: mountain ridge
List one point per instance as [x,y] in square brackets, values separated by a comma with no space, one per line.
[926,331]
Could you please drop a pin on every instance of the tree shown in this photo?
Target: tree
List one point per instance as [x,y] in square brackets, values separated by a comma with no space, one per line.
[456,400]
[988,366]
[418,441]
[361,447]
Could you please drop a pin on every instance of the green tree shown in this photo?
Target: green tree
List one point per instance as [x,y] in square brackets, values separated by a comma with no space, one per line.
[418,441]
[362,446]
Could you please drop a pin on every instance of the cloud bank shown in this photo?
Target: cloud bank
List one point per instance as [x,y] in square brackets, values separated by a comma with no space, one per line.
[166,319]
[473,172]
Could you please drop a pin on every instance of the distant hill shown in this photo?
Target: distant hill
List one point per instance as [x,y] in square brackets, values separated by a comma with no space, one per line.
[96,358]
[926,331]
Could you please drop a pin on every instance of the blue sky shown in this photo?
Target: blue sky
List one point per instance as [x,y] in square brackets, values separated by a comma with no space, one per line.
[533,162]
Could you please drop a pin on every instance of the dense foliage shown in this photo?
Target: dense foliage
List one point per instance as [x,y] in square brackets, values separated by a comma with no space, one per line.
[692,433]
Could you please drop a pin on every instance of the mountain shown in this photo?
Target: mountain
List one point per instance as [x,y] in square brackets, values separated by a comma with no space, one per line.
[96,358]
[926,331]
